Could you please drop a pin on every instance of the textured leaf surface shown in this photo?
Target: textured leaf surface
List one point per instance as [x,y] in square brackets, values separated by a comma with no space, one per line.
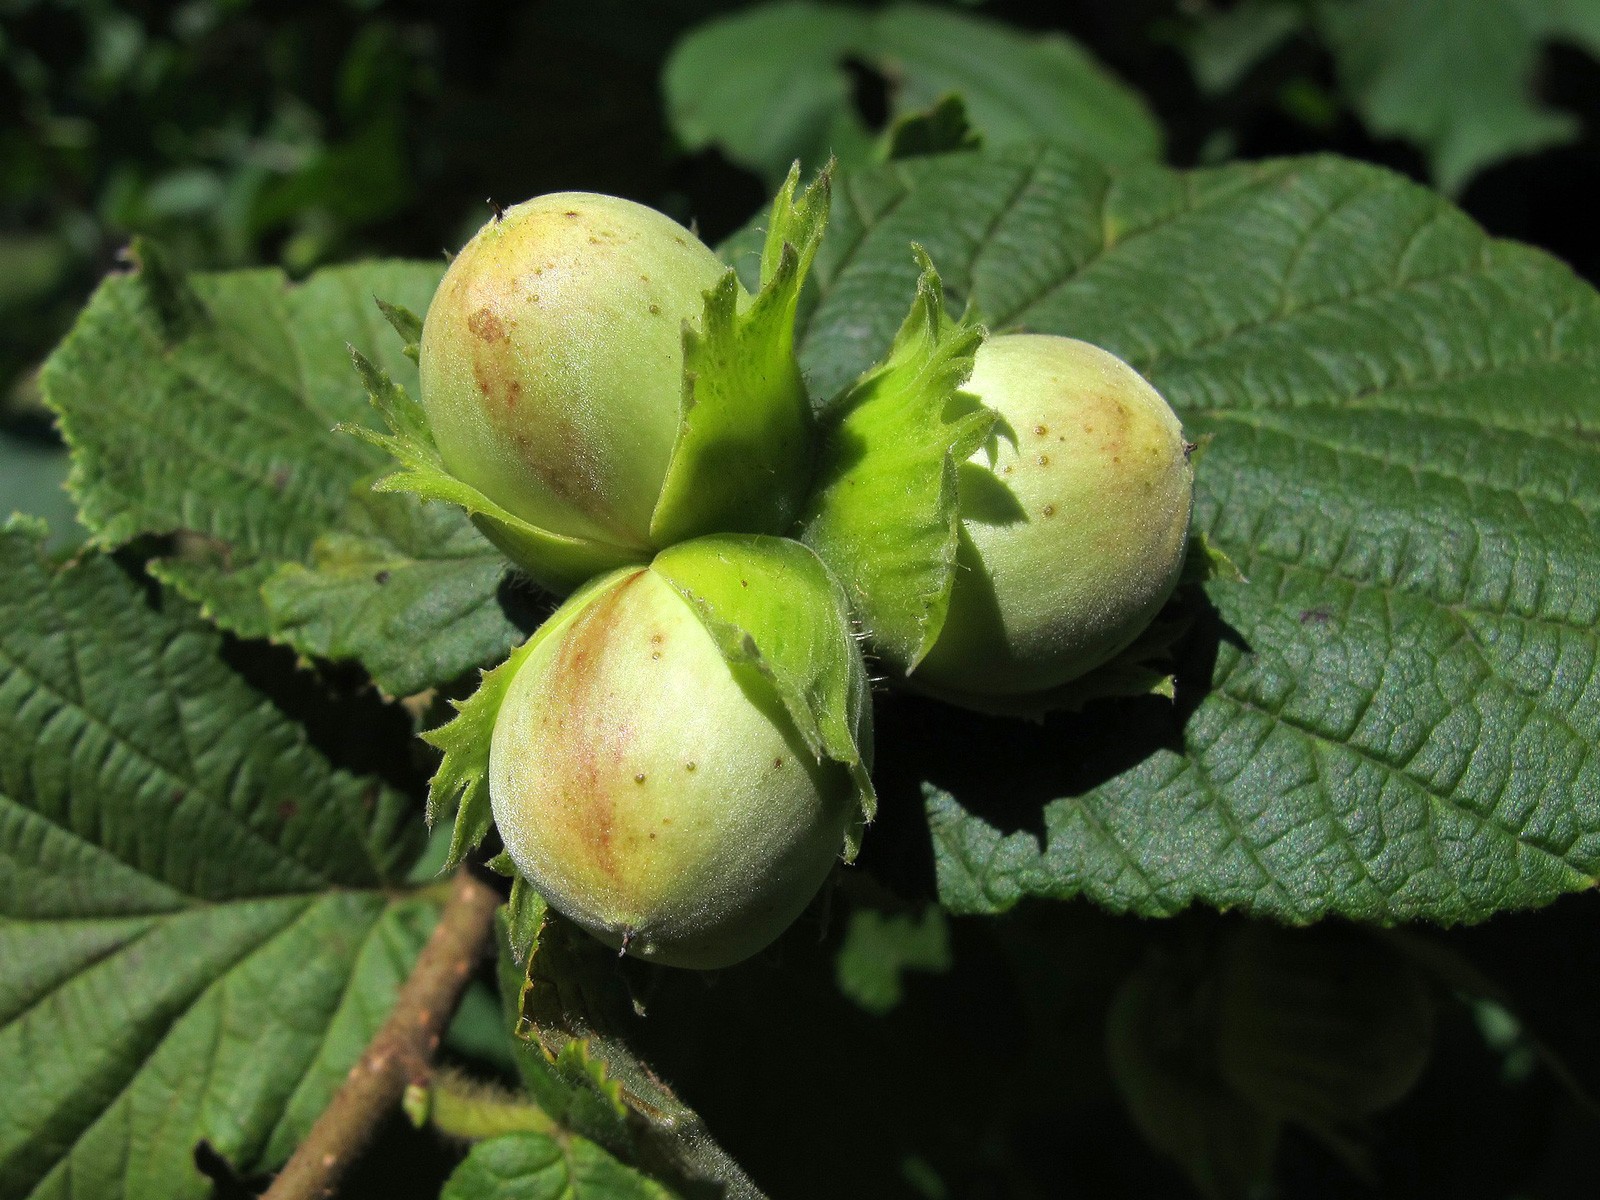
[531,1166]
[769,85]
[204,407]
[195,942]
[1396,716]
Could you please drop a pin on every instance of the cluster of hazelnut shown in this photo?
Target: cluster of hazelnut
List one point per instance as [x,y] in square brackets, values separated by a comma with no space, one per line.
[682,751]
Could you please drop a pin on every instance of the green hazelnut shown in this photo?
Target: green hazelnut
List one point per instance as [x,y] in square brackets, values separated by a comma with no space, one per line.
[552,369]
[656,793]
[1074,520]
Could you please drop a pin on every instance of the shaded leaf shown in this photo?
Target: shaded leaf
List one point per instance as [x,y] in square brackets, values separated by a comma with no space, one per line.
[569,1009]
[533,1166]
[199,926]
[769,85]
[1459,80]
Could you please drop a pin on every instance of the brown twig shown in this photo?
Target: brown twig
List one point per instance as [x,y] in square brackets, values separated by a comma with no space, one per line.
[400,1052]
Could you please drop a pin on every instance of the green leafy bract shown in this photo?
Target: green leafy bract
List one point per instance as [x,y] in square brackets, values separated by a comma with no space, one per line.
[771,604]
[742,458]
[769,85]
[1394,715]
[885,514]
[181,870]
[202,407]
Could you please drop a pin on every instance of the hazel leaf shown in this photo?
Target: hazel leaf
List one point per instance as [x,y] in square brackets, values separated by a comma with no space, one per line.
[181,868]
[537,1166]
[199,408]
[1391,714]
[572,1020]
[1016,86]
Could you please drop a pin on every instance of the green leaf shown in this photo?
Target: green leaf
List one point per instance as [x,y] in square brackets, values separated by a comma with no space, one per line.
[203,406]
[1455,78]
[885,513]
[769,85]
[1459,80]
[770,603]
[1393,716]
[384,588]
[531,1166]
[462,780]
[1225,44]
[742,458]
[879,948]
[569,1010]
[941,129]
[199,924]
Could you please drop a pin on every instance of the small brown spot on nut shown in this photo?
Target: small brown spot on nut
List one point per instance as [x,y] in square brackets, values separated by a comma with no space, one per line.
[639,778]
[486,326]
[1049,510]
